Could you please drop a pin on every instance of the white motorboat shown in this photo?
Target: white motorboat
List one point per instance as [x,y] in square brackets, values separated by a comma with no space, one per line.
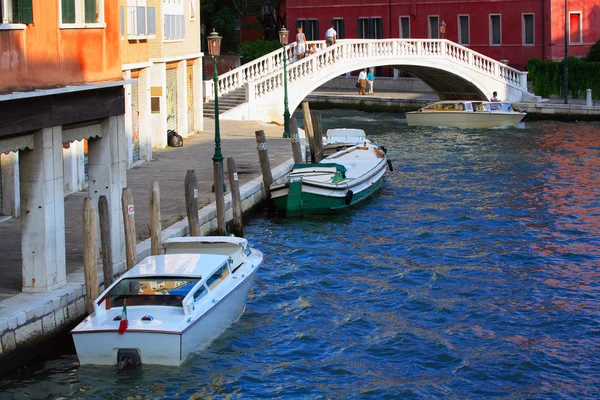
[346,177]
[465,114]
[169,305]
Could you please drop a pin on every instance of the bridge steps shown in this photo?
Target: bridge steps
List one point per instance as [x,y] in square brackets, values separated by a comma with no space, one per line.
[226,102]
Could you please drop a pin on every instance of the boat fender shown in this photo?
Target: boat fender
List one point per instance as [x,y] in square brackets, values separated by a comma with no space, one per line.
[348,198]
[389,163]
[384,149]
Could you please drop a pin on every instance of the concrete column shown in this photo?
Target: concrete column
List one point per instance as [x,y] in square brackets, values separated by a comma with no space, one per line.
[158,90]
[107,170]
[43,213]
[396,74]
[198,96]
[145,114]
[70,169]
[182,106]
[128,120]
[9,167]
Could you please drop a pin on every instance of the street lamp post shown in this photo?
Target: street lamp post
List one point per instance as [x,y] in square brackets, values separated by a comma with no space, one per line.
[443,28]
[214,49]
[283,39]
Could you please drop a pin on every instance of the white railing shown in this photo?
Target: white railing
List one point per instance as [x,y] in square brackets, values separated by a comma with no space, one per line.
[265,74]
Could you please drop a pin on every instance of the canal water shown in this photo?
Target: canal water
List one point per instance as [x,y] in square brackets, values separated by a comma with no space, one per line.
[473,273]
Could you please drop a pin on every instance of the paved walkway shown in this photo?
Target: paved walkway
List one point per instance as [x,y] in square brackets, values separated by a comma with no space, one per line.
[169,167]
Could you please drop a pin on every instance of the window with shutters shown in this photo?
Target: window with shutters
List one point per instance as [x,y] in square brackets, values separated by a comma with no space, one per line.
[463,31]
[15,14]
[338,25]
[82,14]
[310,28]
[173,20]
[495,30]
[370,28]
[434,27]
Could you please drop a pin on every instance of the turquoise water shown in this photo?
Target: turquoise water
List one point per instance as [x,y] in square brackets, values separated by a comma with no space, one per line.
[473,273]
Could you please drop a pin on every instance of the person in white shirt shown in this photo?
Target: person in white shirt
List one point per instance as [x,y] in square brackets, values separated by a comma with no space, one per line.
[362,81]
[330,36]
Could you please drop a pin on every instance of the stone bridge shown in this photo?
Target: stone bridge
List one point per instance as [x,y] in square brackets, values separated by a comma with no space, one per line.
[451,70]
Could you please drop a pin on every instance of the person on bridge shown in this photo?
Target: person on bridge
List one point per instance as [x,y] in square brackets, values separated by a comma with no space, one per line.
[495,97]
[300,43]
[362,82]
[370,80]
[330,36]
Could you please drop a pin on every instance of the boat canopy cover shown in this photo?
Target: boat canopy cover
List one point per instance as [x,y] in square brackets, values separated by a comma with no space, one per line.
[338,167]
[345,135]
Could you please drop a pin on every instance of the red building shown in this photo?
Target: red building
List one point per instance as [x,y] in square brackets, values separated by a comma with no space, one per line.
[513,30]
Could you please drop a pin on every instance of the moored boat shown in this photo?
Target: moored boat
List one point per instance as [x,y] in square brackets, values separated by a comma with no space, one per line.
[344,178]
[169,305]
[465,114]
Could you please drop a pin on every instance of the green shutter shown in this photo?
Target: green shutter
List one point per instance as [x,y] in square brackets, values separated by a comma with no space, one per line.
[317,31]
[380,29]
[371,33]
[361,32]
[68,11]
[26,12]
[90,11]
[341,32]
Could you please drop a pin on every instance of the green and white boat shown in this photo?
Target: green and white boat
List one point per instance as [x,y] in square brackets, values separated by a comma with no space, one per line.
[340,180]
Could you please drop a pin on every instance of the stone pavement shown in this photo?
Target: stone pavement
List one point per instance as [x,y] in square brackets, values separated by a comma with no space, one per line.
[169,167]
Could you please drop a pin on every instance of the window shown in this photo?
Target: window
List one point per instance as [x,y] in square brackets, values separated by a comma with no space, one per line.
[159,291]
[141,20]
[575,27]
[528,38]
[495,29]
[310,28]
[463,32]
[217,277]
[82,12]
[434,25]
[370,28]
[200,293]
[173,20]
[404,27]
[338,25]
[192,10]
[16,12]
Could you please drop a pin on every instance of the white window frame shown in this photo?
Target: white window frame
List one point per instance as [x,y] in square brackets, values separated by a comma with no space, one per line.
[492,29]
[429,26]
[580,27]
[523,27]
[5,23]
[458,17]
[172,7]
[400,26]
[192,10]
[80,16]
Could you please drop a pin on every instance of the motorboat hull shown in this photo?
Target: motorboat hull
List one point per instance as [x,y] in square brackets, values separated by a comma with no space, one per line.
[101,347]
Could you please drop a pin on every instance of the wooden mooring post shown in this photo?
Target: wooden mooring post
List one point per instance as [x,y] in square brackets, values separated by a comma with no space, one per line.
[90,253]
[236,201]
[191,202]
[155,225]
[219,198]
[308,129]
[129,224]
[105,241]
[263,157]
[318,134]
[295,140]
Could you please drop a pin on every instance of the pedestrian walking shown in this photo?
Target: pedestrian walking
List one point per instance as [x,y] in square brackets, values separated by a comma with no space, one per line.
[330,36]
[300,43]
[362,82]
[370,80]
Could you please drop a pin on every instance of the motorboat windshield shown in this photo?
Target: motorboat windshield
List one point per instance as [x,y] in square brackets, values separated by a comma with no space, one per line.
[155,291]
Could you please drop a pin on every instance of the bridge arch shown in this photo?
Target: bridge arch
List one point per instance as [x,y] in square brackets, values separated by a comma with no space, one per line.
[451,70]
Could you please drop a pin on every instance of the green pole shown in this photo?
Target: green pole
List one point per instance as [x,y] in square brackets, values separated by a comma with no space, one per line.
[286,112]
[218,157]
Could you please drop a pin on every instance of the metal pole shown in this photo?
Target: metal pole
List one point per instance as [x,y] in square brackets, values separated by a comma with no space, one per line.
[566,70]
[286,112]
[218,157]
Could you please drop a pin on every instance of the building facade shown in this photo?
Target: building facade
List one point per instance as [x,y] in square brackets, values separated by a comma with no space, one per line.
[62,113]
[511,30]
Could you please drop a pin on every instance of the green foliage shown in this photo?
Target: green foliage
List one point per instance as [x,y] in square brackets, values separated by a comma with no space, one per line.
[253,50]
[221,15]
[547,77]
[594,54]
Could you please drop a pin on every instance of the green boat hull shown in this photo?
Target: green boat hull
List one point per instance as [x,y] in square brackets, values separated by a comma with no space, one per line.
[298,203]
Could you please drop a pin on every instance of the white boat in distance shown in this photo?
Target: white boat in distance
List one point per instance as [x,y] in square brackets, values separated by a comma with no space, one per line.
[170,304]
[465,114]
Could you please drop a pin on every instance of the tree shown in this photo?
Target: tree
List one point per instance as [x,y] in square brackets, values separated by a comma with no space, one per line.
[222,16]
[265,15]
[594,54]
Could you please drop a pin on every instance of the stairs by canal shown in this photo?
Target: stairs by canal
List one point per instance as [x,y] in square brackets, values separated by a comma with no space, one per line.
[226,102]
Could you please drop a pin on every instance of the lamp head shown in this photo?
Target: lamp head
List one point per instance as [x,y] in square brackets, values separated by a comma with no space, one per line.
[214,44]
[283,36]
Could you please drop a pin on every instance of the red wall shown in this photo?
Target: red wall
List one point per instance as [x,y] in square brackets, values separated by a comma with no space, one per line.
[549,32]
[43,55]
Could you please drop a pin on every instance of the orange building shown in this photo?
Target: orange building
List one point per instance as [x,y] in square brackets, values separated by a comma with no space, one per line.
[61,89]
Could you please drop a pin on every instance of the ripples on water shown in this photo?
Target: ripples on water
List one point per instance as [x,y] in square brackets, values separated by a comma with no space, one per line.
[473,273]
